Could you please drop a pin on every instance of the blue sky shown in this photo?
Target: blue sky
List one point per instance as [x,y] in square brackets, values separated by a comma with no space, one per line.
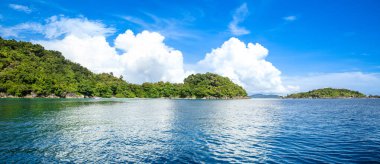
[304,38]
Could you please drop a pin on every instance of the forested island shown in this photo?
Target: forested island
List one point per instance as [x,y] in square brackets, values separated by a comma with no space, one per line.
[374,96]
[28,70]
[328,93]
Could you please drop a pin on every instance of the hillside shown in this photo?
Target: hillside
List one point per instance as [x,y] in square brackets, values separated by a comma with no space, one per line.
[28,70]
[211,85]
[328,93]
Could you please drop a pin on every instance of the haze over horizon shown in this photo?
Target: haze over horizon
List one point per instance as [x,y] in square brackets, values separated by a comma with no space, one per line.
[270,47]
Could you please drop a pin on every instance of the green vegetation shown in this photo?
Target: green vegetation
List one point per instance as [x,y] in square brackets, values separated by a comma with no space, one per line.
[28,69]
[328,93]
[211,85]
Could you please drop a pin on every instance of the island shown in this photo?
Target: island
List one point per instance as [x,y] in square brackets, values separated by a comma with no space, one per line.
[328,93]
[28,70]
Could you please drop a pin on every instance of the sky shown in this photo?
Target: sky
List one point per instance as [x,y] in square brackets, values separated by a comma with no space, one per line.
[266,46]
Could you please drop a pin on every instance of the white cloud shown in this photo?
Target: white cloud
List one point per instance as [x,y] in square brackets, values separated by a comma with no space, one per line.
[22,28]
[92,52]
[364,82]
[237,18]
[245,65]
[22,8]
[147,58]
[57,26]
[290,18]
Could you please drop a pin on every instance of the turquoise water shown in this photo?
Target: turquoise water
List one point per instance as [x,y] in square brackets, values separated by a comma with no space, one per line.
[189,131]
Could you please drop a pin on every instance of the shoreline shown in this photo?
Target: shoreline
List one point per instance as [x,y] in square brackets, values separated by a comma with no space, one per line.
[75,96]
[175,98]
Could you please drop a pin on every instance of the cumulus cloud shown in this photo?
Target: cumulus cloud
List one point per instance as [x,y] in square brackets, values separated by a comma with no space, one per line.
[245,64]
[364,82]
[92,52]
[290,18]
[22,8]
[238,17]
[79,40]
[145,57]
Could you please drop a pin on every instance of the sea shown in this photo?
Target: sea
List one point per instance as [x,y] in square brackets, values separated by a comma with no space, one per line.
[189,131]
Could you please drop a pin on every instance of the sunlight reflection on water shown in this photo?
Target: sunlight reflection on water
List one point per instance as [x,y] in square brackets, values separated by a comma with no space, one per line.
[159,130]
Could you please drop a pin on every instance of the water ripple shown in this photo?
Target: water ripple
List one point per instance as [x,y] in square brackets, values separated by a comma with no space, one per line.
[190,131]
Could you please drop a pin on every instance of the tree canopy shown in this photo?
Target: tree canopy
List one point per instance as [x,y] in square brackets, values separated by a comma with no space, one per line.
[28,68]
[328,93]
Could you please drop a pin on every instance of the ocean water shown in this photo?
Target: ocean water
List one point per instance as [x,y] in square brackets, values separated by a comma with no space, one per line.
[189,131]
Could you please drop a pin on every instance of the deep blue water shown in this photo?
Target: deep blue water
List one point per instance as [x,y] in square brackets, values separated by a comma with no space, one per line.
[190,131]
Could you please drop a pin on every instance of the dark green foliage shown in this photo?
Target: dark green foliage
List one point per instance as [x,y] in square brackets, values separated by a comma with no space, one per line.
[212,85]
[328,93]
[374,96]
[28,68]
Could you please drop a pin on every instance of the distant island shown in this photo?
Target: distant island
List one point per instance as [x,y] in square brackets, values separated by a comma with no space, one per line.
[374,96]
[264,96]
[28,70]
[328,93]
